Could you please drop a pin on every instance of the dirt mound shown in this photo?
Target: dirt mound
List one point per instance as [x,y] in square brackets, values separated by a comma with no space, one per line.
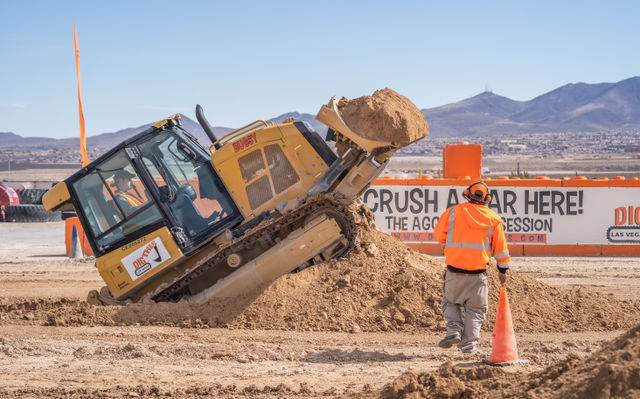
[382,285]
[538,307]
[208,391]
[446,382]
[385,286]
[385,115]
[612,372]
[54,312]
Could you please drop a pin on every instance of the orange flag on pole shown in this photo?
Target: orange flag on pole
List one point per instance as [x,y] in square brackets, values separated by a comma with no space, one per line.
[83,140]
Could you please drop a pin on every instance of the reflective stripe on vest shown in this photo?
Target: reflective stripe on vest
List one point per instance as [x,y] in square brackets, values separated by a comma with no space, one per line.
[501,256]
[133,201]
[450,244]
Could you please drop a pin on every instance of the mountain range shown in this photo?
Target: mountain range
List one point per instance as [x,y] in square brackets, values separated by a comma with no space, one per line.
[575,107]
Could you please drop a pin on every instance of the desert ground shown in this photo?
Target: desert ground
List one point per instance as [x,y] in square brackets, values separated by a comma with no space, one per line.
[53,345]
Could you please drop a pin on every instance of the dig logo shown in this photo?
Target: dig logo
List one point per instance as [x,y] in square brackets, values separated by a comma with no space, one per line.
[628,215]
[141,263]
[145,258]
[627,226]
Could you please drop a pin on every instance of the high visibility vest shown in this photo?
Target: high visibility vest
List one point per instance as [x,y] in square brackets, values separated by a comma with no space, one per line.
[133,201]
[470,234]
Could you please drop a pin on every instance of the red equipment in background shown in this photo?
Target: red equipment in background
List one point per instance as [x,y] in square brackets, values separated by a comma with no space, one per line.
[8,196]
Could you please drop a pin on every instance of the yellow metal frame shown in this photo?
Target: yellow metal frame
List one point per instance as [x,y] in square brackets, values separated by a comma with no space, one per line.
[163,122]
[307,163]
[253,126]
[118,279]
[56,196]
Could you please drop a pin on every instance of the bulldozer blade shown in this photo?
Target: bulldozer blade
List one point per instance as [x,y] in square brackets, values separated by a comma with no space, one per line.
[330,116]
[102,298]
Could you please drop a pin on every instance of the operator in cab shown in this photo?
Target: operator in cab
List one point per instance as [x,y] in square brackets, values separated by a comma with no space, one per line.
[124,193]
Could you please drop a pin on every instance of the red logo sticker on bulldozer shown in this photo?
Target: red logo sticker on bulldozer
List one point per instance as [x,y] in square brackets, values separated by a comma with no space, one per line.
[245,142]
[145,258]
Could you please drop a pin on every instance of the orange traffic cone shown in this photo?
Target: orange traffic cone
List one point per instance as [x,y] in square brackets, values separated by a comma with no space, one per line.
[504,351]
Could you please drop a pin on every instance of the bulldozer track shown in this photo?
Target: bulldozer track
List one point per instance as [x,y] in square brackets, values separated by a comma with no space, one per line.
[352,213]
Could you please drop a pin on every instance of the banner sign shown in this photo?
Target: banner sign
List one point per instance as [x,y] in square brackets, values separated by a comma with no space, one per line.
[531,215]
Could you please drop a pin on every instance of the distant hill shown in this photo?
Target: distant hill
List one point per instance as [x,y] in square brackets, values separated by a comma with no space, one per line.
[14,141]
[9,140]
[578,107]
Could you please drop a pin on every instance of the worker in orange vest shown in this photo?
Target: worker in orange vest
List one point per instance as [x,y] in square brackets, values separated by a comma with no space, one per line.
[126,199]
[470,234]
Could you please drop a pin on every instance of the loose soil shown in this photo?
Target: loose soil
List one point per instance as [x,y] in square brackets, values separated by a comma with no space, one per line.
[373,316]
[385,286]
[612,372]
[385,116]
[382,285]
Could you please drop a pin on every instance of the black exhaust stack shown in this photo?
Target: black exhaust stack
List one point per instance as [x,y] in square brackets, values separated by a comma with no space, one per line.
[206,126]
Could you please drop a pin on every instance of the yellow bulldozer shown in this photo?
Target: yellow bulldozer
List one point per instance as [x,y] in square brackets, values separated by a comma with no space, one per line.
[171,220]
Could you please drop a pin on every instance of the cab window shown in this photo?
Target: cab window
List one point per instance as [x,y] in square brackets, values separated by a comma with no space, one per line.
[114,201]
[185,182]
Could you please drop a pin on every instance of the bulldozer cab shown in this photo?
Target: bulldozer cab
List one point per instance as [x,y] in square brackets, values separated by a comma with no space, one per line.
[161,177]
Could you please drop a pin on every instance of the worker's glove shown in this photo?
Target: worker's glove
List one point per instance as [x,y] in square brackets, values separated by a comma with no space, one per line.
[503,278]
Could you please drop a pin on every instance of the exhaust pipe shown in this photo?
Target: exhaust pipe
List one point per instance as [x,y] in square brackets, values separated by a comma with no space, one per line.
[206,126]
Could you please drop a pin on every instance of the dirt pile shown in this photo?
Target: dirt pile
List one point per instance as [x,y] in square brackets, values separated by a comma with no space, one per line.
[538,307]
[156,391]
[385,115]
[54,312]
[612,372]
[446,382]
[385,286]
[382,285]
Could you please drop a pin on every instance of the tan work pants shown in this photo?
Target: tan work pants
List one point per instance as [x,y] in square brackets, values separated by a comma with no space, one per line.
[469,291]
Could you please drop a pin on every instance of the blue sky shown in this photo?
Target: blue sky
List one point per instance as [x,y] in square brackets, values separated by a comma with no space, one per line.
[144,60]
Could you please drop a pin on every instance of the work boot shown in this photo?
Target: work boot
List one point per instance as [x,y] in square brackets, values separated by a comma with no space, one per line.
[472,351]
[449,341]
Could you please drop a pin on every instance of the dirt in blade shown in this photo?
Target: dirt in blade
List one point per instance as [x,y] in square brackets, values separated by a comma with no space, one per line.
[382,285]
[385,115]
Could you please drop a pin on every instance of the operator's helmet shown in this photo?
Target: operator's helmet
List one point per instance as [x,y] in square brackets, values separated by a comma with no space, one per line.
[123,174]
[477,192]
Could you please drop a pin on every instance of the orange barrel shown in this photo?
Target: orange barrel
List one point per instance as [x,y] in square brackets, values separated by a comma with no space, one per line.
[68,230]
